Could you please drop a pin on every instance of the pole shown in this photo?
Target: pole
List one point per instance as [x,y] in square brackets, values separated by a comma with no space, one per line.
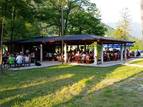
[12,28]
[121,52]
[41,52]
[102,53]
[1,35]
[125,52]
[65,53]
[62,31]
[95,53]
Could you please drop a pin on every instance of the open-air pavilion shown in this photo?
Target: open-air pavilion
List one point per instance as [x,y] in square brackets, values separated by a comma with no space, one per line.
[49,43]
[95,40]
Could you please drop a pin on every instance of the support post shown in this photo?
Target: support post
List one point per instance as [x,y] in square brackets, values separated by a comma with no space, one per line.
[95,53]
[121,51]
[102,54]
[85,47]
[62,32]
[1,36]
[65,53]
[22,49]
[125,52]
[135,54]
[41,52]
[77,47]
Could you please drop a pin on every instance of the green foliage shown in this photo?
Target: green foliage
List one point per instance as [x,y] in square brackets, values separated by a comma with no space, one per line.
[84,23]
[120,33]
[123,29]
[109,32]
[138,45]
[27,18]
[16,14]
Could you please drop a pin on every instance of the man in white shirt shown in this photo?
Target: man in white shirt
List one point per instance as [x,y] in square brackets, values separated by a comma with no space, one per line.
[19,59]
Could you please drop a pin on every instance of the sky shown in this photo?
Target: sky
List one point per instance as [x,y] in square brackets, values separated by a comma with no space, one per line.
[111,13]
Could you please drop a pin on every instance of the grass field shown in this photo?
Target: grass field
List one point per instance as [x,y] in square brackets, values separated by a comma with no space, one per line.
[73,86]
[139,62]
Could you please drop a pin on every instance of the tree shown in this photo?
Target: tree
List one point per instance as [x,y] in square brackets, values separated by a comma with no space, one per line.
[15,11]
[27,18]
[84,23]
[138,45]
[73,14]
[123,29]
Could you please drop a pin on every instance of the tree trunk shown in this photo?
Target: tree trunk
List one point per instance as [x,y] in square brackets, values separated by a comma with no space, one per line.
[80,30]
[67,18]
[1,32]
[12,29]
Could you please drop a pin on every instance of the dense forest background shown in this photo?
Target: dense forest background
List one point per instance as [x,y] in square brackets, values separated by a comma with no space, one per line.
[28,18]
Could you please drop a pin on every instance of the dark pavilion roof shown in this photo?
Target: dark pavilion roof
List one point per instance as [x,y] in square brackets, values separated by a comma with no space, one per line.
[90,38]
[40,40]
[73,40]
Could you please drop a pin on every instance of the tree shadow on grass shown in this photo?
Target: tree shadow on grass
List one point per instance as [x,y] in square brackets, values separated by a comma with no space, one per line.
[115,77]
[82,76]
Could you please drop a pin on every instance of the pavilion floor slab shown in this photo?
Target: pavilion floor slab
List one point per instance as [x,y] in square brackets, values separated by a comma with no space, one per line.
[43,64]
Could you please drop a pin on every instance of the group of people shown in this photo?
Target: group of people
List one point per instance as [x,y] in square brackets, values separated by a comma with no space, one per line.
[78,56]
[18,59]
[113,55]
[81,56]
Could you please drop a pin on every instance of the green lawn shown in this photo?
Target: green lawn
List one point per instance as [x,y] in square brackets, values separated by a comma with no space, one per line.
[139,62]
[73,86]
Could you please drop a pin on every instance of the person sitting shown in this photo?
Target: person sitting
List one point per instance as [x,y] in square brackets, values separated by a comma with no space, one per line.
[27,60]
[19,59]
[11,60]
[115,55]
[49,55]
[91,57]
[87,57]
[108,56]
[33,57]
[72,57]
[77,57]
[83,57]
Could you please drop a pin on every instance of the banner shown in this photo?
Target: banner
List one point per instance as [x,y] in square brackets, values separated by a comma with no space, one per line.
[0,56]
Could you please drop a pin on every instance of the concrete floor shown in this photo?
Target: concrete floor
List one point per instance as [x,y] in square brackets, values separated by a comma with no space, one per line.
[105,64]
[54,63]
[108,64]
[43,64]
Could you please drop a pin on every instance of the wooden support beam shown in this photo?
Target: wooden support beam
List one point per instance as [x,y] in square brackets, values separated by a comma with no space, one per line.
[65,53]
[41,52]
[102,54]
[95,53]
